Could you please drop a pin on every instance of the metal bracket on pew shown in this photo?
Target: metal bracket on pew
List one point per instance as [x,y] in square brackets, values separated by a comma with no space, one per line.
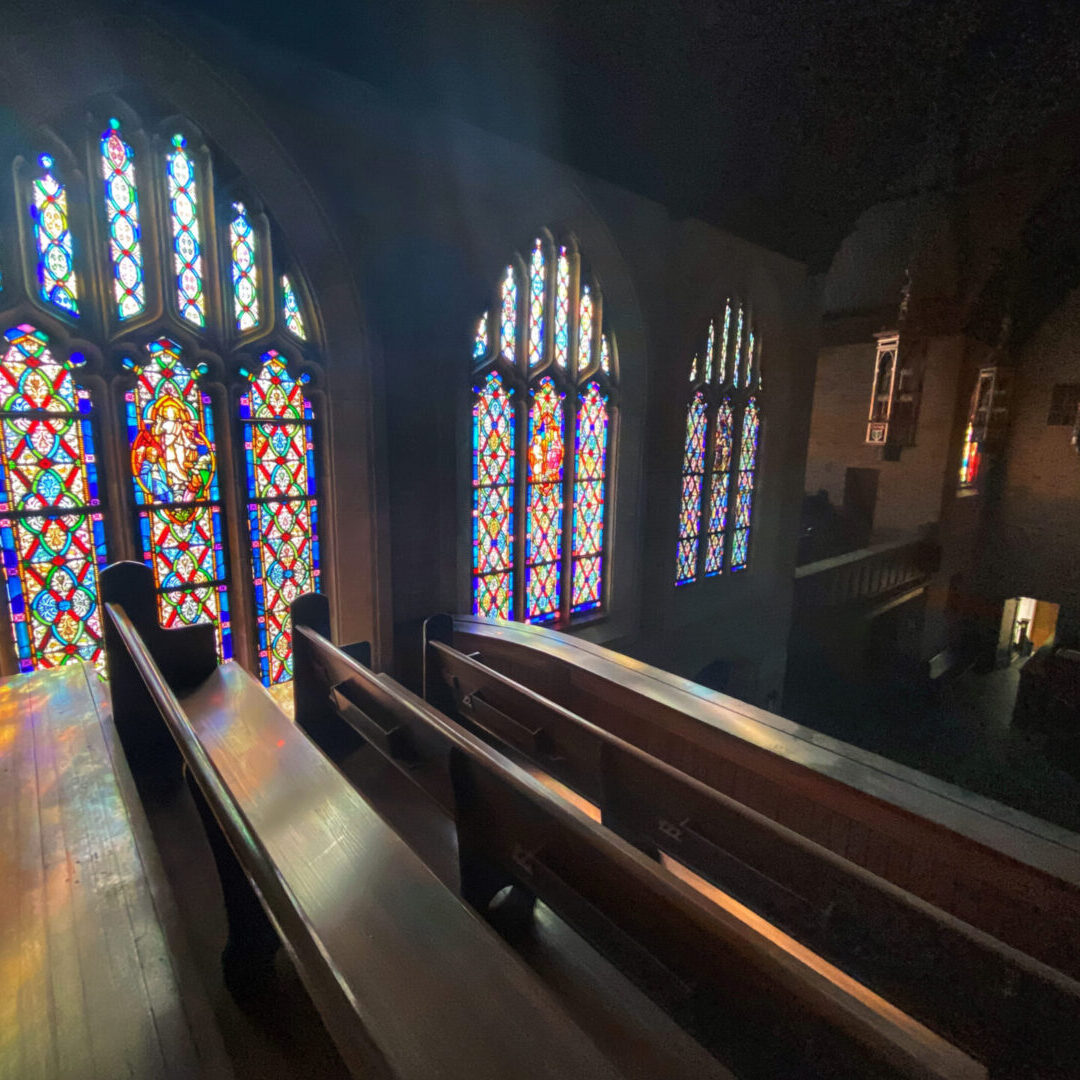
[391,739]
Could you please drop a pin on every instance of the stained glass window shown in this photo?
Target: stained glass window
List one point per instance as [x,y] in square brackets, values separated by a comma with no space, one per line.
[542,435]
[562,309]
[290,306]
[184,221]
[717,409]
[590,473]
[543,524]
[52,236]
[122,219]
[282,510]
[51,531]
[585,329]
[174,470]
[721,375]
[744,505]
[508,323]
[493,499]
[969,459]
[480,343]
[245,271]
[723,440]
[693,476]
[536,306]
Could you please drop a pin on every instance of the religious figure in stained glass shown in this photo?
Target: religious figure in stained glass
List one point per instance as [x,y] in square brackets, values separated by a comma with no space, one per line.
[280,454]
[51,531]
[122,217]
[723,442]
[543,528]
[52,235]
[748,448]
[174,470]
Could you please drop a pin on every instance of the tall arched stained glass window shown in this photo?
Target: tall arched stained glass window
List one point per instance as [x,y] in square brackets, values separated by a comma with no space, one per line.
[174,470]
[184,223]
[744,505]
[543,405]
[722,421]
[150,209]
[52,235]
[50,527]
[282,511]
[122,218]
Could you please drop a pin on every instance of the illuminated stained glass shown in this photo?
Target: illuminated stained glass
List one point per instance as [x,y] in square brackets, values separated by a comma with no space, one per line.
[290,306]
[184,222]
[585,329]
[508,322]
[748,378]
[480,344]
[744,498]
[544,512]
[245,270]
[605,355]
[51,531]
[710,346]
[282,510]
[719,484]
[970,459]
[736,356]
[590,473]
[693,370]
[693,476]
[174,471]
[536,306]
[562,309]
[52,235]
[493,499]
[721,373]
[122,218]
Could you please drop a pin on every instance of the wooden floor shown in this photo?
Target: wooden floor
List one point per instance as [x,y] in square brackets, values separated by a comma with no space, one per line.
[91,987]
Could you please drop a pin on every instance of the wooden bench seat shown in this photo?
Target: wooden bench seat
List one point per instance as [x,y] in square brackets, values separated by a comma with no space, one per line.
[95,980]
[1015,1013]
[409,983]
[763,1008]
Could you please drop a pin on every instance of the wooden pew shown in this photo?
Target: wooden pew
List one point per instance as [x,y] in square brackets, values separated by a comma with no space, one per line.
[765,1008]
[1008,1010]
[1002,871]
[403,975]
[95,978]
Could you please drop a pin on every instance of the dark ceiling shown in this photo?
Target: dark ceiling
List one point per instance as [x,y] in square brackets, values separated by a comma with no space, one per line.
[779,120]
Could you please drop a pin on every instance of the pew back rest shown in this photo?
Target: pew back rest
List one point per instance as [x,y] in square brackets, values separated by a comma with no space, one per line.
[402,973]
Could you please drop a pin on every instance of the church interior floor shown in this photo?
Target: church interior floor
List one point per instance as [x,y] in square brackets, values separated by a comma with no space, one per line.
[964,736]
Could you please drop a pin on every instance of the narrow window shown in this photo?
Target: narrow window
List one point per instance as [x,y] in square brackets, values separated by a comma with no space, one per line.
[122,219]
[245,271]
[718,488]
[748,448]
[590,475]
[544,520]
[290,307]
[184,222]
[52,237]
[693,475]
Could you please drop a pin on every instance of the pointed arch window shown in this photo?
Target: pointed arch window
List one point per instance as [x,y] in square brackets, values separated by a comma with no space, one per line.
[723,423]
[542,421]
[131,254]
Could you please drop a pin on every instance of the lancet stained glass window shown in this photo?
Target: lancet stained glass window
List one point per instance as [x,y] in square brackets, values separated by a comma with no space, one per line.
[290,306]
[493,499]
[542,419]
[693,478]
[282,511]
[245,270]
[122,218]
[51,529]
[52,236]
[184,220]
[719,483]
[722,422]
[748,449]
[174,470]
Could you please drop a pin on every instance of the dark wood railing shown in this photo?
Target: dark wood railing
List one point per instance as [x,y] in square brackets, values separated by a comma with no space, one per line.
[866,576]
